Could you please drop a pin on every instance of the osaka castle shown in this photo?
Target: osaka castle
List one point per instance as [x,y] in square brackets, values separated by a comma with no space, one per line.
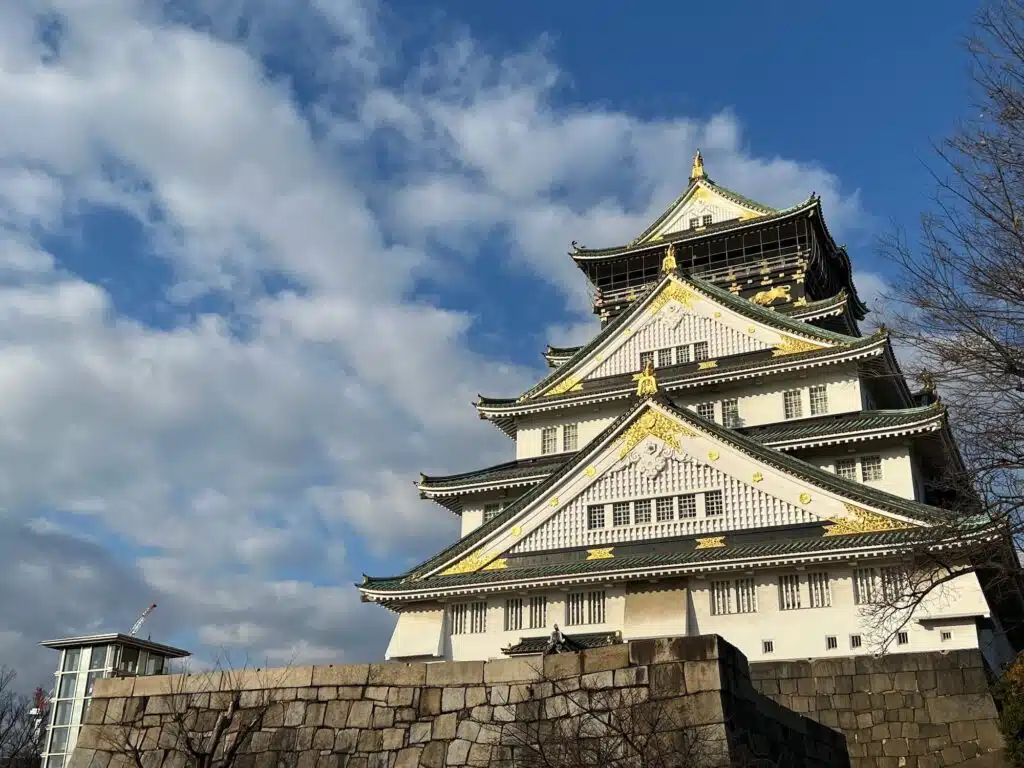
[728,455]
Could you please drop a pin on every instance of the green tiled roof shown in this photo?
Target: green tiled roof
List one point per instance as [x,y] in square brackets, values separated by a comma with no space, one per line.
[581,641]
[509,470]
[856,492]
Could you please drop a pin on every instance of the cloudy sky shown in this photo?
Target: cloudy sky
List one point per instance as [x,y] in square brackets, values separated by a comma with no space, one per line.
[257,258]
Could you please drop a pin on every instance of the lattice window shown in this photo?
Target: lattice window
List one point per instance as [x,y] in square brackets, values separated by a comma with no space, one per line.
[538,612]
[665,357]
[491,511]
[706,411]
[819,400]
[682,354]
[513,614]
[549,440]
[847,468]
[700,351]
[820,589]
[789,592]
[895,584]
[664,509]
[642,511]
[865,586]
[746,596]
[645,358]
[584,608]
[620,513]
[731,413]
[694,222]
[707,219]
[870,468]
[687,506]
[713,503]
[793,404]
[721,598]
[595,517]
[469,618]
[570,437]
[595,607]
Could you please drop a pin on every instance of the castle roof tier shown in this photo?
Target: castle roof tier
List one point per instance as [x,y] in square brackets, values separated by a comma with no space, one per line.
[730,240]
[805,514]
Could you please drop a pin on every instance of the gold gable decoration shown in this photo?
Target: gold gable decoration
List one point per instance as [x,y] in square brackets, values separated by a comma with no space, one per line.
[470,564]
[571,384]
[669,262]
[863,521]
[654,423]
[794,347]
[712,542]
[674,291]
[646,382]
[697,171]
[600,554]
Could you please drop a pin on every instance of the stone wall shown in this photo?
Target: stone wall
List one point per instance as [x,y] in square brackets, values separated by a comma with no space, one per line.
[908,710]
[397,715]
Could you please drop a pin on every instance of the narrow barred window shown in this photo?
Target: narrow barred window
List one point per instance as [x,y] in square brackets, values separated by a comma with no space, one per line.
[864,586]
[683,354]
[694,222]
[789,592]
[820,589]
[746,596]
[513,614]
[706,220]
[721,598]
[538,612]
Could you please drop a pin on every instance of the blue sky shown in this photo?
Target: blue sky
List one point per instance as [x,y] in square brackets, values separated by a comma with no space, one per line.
[257,259]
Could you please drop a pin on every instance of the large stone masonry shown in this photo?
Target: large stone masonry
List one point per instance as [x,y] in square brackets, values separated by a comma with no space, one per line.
[907,710]
[398,715]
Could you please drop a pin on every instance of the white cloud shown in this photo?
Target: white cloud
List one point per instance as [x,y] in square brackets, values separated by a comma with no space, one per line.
[242,463]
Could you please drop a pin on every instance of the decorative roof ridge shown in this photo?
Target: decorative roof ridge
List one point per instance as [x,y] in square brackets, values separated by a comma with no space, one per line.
[547,458]
[858,492]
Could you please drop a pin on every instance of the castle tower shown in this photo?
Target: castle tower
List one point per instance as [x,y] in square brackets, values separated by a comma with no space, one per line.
[729,455]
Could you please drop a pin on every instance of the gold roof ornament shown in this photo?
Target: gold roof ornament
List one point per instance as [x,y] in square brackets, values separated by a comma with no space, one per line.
[668,264]
[646,383]
[697,172]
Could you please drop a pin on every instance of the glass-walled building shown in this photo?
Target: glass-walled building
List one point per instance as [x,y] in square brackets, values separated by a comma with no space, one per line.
[83,661]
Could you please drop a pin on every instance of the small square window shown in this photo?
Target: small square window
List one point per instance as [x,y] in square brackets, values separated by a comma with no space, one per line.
[946,635]
[642,511]
[491,511]
[595,517]
[831,643]
[871,468]
[902,638]
[665,357]
[664,509]
[687,506]
[847,469]
[713,503]
[620,513]
[706,411]
[855,641]
[706,220]
[731,413]
[645,358]
[767,646]
[793,404]
[570,437]
[700,351]
[683,354]
[549,440]
[694,222]
[819,401]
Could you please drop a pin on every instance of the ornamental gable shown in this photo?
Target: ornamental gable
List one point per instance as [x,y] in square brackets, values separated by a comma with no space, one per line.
[702,201]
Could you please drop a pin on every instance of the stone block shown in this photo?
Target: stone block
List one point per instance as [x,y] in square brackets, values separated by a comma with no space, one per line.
[336,713]
[327,693]
[951,709]
[323,738]
[433,754]
[458,752]
[445,726]
[267,679]
[559,665]
[430,702]
[394,738]
[975,681]
[294,713]
[408,758]
[702,676]
[630,676]
[360,714]
[607,658]
[383,717]
[346,741]
[479,756]
[370,741]
[513,670]
[476,696]
[668,649]
[113,687]
[400,697]
[419,733]
[350,692]
[667,680]
[962,731]
[989,735]
[341,674]
[376,692]
[598,680]
[455,673]
[453,699]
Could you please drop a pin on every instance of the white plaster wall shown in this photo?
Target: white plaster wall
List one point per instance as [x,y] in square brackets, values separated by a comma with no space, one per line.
[897,466]
[473,506]
[592,421]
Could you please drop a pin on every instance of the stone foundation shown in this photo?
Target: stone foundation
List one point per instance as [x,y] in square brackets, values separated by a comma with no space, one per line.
[452,713]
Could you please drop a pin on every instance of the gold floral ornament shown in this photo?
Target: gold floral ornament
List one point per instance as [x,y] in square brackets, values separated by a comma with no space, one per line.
[674,291]
[669,262]
[517,531]
[600,554]
[712,542]
[773,294]
[713,455]
[571,384]
[590,471]
[758,477]
[863,521]
[656,424]
[553,502]
[706,364]
[805,498]
[646,383]
[496,565]
[794,347]
[470,564]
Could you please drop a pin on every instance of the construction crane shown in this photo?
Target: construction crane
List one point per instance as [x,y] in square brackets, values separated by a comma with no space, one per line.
[139,621]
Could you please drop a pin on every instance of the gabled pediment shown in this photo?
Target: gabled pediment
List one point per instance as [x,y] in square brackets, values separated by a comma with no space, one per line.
[657,450]
[684,312]
[704,203]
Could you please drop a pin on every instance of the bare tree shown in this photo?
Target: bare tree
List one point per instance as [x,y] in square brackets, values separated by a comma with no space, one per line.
[20,732]
[203,720]
[958,305]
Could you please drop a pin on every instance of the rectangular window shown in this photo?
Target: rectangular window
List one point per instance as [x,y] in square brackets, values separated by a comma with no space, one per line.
[721,598]
[642,512]
[700,351]
[595,607]
[469,618]
[895,584]
[864,586]
[831,642]
[491,511]
[683,354]
[584,608]
[706,411]
[793,404]
[789,592]
[706,220]
[820,589]
[731,413]
[819,401]
[946,635]
[855,641]
[687,506]
[664,510]
[513,614]
[767,646]
[645,358]
[538,612]
[870,468]
[549,440]
[713,503]
[902,638]
[847,469]
[664,357]
[694,222]
[71,659]
[570,437]
[595,517]
[620,513]
[746,596]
